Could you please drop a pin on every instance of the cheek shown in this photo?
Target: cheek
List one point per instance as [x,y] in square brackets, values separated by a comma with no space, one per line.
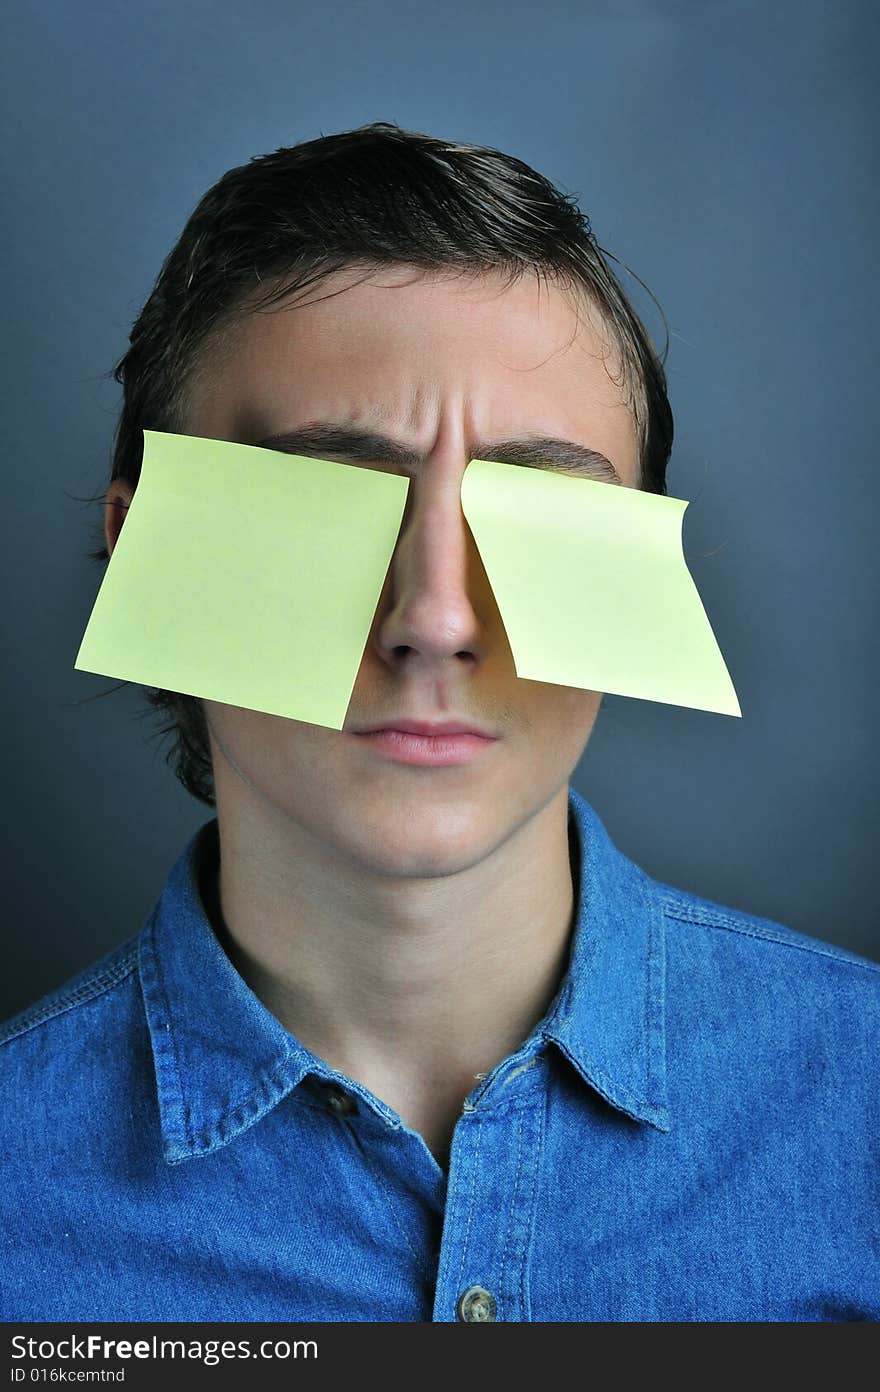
[263,747]
[579,717]
[560,724]
[564,713]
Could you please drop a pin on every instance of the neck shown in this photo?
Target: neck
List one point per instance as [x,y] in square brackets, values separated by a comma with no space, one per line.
[411,986]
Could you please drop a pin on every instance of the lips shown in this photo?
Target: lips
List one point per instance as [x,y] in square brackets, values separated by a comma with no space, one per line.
[432,729]
[445,744]
[430,743]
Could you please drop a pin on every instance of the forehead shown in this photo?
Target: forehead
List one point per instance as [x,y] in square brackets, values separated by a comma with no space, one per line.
[406,350]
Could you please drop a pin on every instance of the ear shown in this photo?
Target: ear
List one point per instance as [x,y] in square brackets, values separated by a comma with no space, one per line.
[119,495]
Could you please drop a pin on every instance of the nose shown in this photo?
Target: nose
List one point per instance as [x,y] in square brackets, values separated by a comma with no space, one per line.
[427,616]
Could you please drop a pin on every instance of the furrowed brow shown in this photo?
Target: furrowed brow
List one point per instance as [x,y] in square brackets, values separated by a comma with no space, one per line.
[550,453]
[369,447]
[357,446]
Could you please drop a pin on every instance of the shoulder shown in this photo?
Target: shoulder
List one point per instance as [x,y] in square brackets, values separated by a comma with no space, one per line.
[87,1006]
[752,935]
[75,1071]
[760,977]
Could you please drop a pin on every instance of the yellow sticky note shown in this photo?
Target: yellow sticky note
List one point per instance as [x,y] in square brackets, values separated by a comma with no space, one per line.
[592,585]
[246,576]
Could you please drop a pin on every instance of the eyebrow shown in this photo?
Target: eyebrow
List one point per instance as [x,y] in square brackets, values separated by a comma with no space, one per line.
[366,446]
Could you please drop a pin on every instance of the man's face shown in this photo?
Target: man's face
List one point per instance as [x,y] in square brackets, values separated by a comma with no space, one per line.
[445,366]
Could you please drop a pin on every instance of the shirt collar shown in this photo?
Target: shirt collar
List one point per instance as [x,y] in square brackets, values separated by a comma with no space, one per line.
[609,1017]
[222,1059]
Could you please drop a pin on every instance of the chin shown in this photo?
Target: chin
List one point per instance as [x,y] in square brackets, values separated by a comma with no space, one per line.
[405,844]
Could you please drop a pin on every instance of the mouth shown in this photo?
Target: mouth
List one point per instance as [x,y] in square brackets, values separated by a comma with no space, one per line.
[458,745]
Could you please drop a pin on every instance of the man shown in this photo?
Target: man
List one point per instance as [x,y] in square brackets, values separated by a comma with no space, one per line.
[407,1038]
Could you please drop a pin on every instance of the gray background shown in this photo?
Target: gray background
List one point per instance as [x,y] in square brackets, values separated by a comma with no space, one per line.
[724,151]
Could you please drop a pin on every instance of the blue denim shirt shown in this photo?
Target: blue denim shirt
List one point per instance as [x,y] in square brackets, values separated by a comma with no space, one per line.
[689,1134]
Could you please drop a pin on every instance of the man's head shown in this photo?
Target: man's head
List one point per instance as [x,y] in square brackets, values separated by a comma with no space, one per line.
[447,297]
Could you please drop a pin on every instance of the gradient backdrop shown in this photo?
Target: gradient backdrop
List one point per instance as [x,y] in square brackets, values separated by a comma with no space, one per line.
[726,152]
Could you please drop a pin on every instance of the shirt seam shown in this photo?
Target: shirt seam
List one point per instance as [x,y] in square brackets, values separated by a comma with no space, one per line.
[729,925]
[171,1037]
[80,995]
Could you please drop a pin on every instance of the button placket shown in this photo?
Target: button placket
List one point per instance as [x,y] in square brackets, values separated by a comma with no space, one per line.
[483,1271]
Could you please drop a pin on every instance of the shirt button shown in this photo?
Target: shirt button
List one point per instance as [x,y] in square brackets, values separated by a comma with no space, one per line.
[477,1304]
[340,1102]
